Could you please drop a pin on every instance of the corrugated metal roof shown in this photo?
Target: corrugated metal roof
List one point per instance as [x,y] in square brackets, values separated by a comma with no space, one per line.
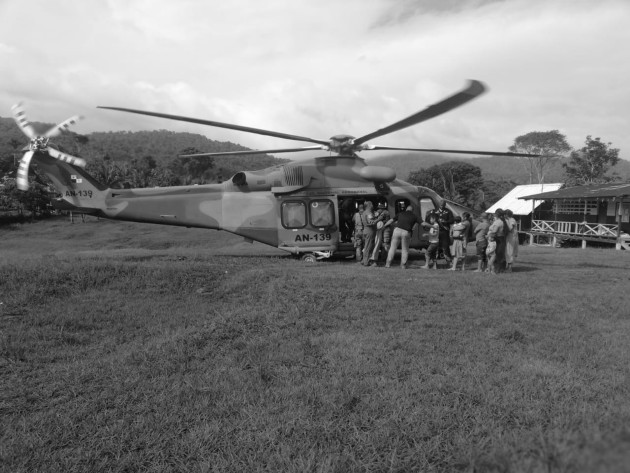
[521,207]
[595,191]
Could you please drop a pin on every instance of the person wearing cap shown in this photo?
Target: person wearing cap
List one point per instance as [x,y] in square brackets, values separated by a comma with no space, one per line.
[481,242]
[383,223]
[405,221]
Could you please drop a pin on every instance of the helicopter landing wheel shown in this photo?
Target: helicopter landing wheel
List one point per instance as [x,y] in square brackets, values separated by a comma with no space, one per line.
[309,258]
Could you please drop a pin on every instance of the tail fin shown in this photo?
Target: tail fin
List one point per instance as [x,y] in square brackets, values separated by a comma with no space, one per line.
[78,190]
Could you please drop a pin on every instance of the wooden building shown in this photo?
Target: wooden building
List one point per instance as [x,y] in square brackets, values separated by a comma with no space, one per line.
[523,210]
[599,212]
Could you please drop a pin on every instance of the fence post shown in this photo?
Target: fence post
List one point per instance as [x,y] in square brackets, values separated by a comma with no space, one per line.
[619,212]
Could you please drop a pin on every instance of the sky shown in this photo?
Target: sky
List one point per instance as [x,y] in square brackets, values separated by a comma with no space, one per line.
[319,68]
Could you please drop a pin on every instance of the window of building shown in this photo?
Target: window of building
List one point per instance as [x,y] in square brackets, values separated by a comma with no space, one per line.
[322,213]
[575,206]
[293,214]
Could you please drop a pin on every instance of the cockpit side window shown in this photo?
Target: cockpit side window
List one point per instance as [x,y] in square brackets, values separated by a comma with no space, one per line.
[426,205]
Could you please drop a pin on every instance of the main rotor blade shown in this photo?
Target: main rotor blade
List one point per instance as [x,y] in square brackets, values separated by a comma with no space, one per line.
[262,151]
[456,151]
[22,173]
[474,89]
[247,129]
[20,118]
[55,153]
[63,126]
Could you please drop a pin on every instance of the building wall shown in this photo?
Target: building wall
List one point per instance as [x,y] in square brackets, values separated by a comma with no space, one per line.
[602,211]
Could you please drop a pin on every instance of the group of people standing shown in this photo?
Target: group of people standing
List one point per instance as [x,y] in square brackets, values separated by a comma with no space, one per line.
[448,237]
[372,232]
[496,237]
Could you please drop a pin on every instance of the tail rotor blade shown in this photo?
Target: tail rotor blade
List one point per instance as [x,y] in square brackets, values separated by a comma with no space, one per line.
[22,174]
[63,126]
[20,118]
[67,158]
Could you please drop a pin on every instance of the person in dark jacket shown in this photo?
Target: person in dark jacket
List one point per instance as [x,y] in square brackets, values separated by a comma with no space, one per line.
[445,220]
[405,222]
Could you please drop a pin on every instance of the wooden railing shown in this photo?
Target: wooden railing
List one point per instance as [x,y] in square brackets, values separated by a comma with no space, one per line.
[600,230]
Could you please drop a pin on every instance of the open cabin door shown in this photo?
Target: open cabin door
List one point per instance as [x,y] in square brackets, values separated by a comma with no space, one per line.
[307,223]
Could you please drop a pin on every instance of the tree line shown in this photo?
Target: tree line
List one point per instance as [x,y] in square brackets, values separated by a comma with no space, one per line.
[462,182]
[152,158]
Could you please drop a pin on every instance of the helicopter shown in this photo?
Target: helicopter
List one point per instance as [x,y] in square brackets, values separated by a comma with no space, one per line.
[300,207]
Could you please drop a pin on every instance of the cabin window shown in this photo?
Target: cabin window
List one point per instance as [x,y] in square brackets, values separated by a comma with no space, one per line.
[322,213]
[293,214]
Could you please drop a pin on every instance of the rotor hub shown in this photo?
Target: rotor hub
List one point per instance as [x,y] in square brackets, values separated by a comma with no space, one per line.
[39,143]
[342,144]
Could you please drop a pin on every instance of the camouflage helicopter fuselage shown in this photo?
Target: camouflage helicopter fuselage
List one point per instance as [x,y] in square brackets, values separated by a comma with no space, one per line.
[300,207]
[296,207]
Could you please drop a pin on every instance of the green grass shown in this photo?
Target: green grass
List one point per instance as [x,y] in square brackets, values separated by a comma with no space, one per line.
[143,348]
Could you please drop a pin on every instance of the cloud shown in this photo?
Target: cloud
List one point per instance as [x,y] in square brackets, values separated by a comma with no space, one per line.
[323,68]
[5,49]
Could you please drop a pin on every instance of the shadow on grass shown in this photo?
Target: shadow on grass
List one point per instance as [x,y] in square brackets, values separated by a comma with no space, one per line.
[525,269]
[287,256]
[575,265]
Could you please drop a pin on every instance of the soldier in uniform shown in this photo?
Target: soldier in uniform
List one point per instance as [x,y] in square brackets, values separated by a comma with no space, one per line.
[369,232]
[357,236]
[445,219]
[382,239]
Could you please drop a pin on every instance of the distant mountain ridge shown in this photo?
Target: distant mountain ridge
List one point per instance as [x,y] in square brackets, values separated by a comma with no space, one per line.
[494,168]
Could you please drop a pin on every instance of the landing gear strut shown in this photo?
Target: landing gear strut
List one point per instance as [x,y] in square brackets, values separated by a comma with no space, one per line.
[315,256]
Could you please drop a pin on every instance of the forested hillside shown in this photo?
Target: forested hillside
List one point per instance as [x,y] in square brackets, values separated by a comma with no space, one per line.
[163,146]
[495,168]
[152,158]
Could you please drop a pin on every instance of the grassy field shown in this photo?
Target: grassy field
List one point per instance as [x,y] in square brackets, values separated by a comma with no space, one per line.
[127,347]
